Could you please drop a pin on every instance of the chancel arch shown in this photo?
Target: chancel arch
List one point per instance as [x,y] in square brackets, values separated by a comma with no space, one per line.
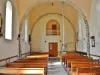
[42,40]
[71,5]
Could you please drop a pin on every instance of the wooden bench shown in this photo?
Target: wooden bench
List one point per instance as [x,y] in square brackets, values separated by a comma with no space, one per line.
[30,63]
[74,58]
[86,67]
[77,60]
[72,63]
[22,71]
[35,59]
[79,68]
[78,64]
[38,56]
[25,64]
[70,55]
[39,53]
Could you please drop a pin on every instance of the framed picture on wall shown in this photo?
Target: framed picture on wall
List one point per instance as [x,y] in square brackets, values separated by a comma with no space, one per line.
[93,41]
[0,24]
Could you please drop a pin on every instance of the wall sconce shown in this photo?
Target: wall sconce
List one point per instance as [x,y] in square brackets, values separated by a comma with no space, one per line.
[52,4]
[60,41]
[45,41]
[29,38]
[1,20]
[18,37]
[93,41]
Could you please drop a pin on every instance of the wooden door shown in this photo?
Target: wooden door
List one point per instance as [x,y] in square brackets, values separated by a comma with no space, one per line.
[54,27]
[53,49]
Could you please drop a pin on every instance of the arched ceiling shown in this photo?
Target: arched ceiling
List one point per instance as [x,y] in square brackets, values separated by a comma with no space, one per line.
[24,5]
[69,12]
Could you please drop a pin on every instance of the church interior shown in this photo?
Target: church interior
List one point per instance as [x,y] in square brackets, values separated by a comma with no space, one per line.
[49,37]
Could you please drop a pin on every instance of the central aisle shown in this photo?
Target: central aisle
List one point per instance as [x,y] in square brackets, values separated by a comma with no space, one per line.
[55,67]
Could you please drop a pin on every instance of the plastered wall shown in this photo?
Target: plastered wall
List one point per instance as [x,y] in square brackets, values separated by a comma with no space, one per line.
[85,6]
[95,26]
[25,46]
[9,48]
[39,34]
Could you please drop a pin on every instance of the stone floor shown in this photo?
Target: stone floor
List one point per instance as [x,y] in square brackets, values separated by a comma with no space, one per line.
[55,67]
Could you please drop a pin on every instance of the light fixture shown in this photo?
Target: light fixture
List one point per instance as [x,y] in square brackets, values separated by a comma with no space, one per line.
[52,4]
[18,37]
[1,20]
[45,41]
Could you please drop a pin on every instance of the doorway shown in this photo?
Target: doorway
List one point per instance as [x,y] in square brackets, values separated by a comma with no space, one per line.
[53,49]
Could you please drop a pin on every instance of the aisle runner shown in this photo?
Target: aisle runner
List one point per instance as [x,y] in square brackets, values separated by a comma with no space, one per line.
[55,67]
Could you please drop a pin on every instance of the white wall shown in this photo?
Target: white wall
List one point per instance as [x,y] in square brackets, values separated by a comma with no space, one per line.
[25,46]
[95,27]
[82,43]
[9,48]
[39,34]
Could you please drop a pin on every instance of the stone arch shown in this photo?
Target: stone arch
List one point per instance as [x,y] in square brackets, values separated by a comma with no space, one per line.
[80,11]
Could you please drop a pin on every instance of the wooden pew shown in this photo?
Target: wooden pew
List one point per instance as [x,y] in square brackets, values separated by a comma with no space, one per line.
[69,55]
[29,64]
[40,53]
[26,64]
[81,60]
[35,59]
[88,71]
[70,61]
[84,64]
[80,65]
[22,71]
[85,68]
[38,56]
[74,58]
[29,61]
[35,62]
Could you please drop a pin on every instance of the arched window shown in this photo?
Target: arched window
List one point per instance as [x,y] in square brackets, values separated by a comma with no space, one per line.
[26,30]
[8,22]
[52,28]
[98,17]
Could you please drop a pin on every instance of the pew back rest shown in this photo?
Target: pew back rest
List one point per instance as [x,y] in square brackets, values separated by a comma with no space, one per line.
[36,71]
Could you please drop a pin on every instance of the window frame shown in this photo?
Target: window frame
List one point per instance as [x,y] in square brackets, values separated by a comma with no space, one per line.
[8,20]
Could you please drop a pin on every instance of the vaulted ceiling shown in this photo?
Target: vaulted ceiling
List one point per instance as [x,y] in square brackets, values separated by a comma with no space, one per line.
[24,5]
[53,8]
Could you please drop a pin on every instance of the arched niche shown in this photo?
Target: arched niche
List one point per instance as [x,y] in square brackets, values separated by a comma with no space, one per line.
[52,28]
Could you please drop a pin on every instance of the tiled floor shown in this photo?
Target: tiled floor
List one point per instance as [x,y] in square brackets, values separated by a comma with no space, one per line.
[55,67]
